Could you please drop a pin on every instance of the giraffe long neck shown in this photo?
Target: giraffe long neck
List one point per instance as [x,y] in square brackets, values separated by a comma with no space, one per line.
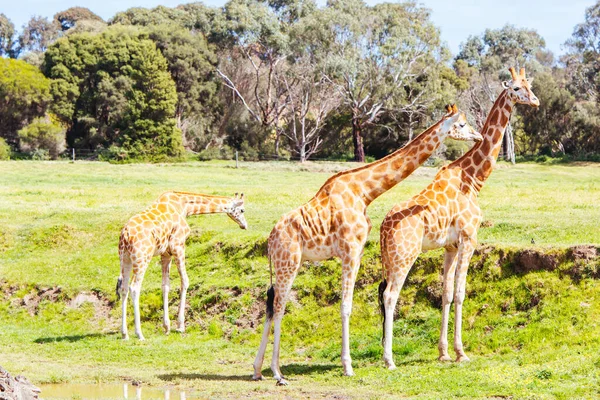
[194,204]
[478,163]
[380,176]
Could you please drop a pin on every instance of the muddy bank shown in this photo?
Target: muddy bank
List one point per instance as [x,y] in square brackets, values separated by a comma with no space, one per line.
[245,307]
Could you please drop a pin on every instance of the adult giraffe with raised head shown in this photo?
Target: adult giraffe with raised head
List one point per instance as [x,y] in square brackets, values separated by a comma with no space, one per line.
[334,223]
[446,214]
[162,230]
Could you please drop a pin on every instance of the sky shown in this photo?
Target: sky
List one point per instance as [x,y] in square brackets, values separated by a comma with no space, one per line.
[554,20]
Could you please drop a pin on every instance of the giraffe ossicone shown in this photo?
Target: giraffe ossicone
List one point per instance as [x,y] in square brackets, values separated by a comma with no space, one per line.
[161,230]
[334,223]
[445,214]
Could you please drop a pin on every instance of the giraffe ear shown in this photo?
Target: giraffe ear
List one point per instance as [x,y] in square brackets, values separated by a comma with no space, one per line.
[530,80]
[242,196]
[505,85]
[448,108]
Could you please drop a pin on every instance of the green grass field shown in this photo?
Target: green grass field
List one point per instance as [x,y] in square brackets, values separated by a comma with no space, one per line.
[529,334]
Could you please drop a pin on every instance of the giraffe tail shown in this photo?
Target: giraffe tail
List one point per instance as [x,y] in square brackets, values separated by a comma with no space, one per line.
[118,288]
[382,287]
[270,301]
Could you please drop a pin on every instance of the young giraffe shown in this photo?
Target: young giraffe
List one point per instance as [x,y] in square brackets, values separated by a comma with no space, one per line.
[334,223]
[162,230]
[445,214]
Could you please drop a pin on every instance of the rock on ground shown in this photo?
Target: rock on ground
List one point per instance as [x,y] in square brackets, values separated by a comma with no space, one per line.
[16,388]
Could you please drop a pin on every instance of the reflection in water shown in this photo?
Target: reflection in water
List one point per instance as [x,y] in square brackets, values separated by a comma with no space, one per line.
[103,391]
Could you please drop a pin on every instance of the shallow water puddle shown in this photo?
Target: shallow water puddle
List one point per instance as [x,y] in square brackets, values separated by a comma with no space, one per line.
[110,392]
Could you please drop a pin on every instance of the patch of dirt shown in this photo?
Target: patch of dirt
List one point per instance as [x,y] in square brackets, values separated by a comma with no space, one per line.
[530,260]
[582,252]
[434,291]
[31,301]
[102,305]
[254,317]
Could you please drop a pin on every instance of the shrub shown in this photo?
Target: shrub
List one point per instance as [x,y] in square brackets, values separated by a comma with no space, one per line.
[43,134]
[4,150]
[455,149]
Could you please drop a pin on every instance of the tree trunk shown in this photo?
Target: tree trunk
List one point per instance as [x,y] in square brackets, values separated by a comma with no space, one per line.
[277,141]
[359,150]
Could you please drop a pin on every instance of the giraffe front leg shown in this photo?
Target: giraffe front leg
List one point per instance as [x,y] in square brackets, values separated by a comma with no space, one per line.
[350,267]
[135,296]
[185,283]
[459,297]
[166,267]
[447,294]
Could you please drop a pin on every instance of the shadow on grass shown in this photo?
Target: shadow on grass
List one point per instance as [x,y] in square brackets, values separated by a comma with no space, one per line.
[70,339]
[290,369]
[206,377]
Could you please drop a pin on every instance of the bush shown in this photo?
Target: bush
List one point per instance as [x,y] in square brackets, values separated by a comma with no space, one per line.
[455,149]
[43,134]
[4,150]
[216,153]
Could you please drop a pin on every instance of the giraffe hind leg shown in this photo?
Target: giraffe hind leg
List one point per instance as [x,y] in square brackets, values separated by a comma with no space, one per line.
[260,356]
[123,292]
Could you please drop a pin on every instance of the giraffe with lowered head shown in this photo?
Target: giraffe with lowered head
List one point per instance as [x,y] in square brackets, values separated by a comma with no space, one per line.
[446,214]
[162,230]
[334,223]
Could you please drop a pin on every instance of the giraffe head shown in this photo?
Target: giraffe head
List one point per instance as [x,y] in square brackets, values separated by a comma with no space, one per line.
[457,127]
[519,88]
[235,210]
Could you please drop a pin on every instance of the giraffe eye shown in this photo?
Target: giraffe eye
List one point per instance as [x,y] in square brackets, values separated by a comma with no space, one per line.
[517,89]
[463,124]
[241,211]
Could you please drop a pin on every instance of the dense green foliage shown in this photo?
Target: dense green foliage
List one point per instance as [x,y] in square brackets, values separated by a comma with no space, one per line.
[529,326]
[24,95]
[292,79]
[43,135]
[114,89]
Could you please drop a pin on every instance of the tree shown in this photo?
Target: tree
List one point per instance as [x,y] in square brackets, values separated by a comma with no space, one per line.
[114,89]
[483,62]
[376,55]
[191,63]
[71,17]
[38,34]
[257,46]
[310,101]
[7,33]
[583,59]
[43,134]
[24,95]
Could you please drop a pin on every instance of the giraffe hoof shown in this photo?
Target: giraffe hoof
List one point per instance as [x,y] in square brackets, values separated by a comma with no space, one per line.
[180,330]
[258,378]
[282,382]
[349,372]
[444,358]
[125,337]
[391,367]
[462,358]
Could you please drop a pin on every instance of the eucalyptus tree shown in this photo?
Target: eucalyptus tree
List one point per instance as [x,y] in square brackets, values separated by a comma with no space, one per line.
[7,36]
[311,99]
[483,61]
[252,66]
[375,57]
[71,17]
